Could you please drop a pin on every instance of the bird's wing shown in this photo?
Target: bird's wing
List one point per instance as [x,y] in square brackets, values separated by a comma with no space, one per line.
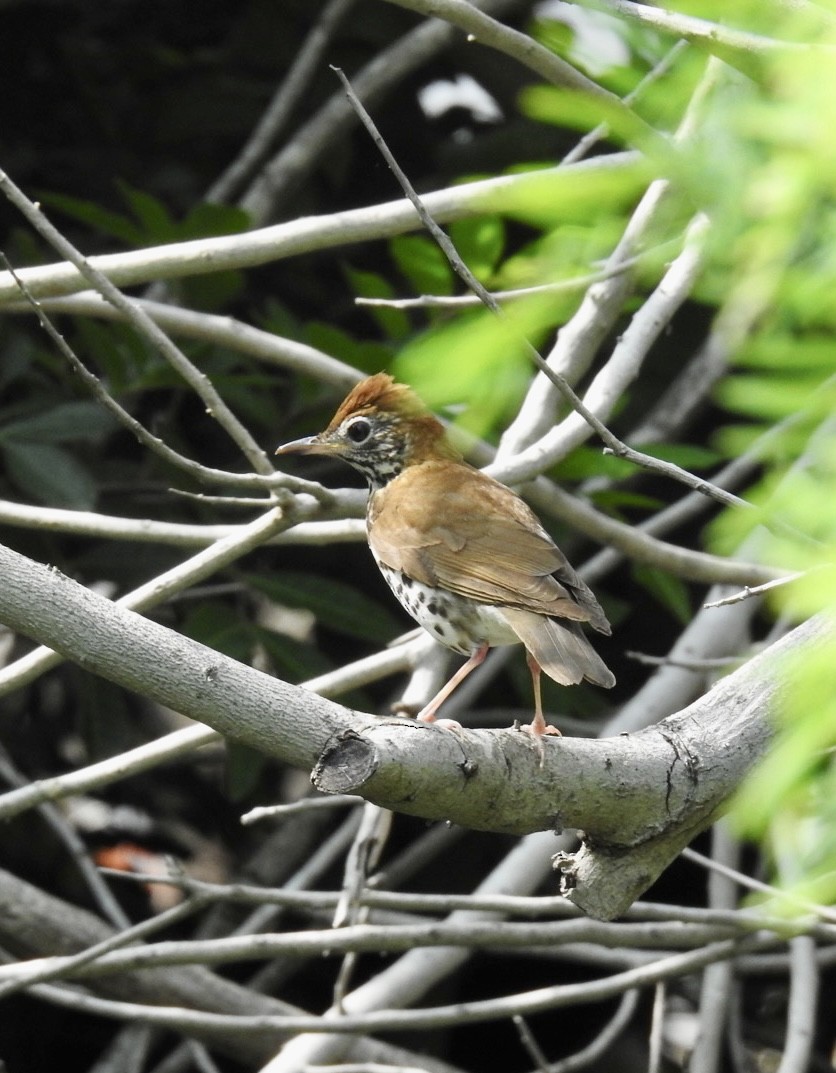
[450,525]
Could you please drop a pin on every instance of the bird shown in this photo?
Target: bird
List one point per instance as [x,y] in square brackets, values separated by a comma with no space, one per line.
[464,554]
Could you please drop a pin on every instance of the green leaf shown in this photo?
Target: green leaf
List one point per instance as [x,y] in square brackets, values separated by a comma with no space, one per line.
[215,624]
[586,462]
[16,364]
[807,720]
[766,397]
[208,218]
[688,456]
[294,662]
[394,323]
[214,290]
[551,197]
[479,241]
[337,605]
[423,264]
[623,499]
[69,422]
[476,361]
[363,354]
[49,474]
[670,591]
[152,214]
[102,220]
[244,768]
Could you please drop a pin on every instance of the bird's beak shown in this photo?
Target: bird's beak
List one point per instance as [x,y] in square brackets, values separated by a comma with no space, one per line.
[308,445]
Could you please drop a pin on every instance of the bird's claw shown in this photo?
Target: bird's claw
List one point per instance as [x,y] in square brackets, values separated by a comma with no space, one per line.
[537,734]
[444,724]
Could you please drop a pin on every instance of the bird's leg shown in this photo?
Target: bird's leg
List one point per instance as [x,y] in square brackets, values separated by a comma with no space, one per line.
[538,727]
[427,713]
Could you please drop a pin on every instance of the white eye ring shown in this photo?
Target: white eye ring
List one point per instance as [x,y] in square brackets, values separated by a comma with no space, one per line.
[358,429]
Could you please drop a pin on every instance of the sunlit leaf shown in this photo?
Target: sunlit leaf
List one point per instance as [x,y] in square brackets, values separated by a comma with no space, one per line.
[479,241]
[423,264]
[393,322]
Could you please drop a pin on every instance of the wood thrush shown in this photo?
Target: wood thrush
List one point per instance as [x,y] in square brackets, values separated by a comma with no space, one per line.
[466,557]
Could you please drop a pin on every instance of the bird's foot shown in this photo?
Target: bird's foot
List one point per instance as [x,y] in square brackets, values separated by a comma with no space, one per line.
[410,711]
[538,731]
[444,724]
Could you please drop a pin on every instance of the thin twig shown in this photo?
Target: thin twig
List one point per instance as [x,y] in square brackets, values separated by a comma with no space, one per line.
[717,984]
[602,130]
[543,999]
[529,1041]
[287,98]
[612,444]
[100,393]
[139,319]
[822,911]
[239,502]
[718,664]
[657,1029]
[604,1040]
[748,591]
[526,50]
[307,804]
[465,301]
[801,1015]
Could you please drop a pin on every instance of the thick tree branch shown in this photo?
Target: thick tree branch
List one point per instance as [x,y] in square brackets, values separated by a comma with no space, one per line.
[314,141]
[639,798]
[310,233]
[33,923]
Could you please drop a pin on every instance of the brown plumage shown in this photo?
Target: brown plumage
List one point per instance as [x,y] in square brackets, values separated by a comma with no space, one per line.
[467,558]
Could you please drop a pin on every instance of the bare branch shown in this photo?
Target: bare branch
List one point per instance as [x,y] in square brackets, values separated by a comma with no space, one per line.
[549,998]
[139,320]
[244,338]
[757,590]
[735,46]
[348,506]
[285,100]
[523,48]
[315,139]
[670,799]
[801,1017]
[306,235]
[99,392]
[180,742]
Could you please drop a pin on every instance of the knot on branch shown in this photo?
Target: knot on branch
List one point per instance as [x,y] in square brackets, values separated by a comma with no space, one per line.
[346,763]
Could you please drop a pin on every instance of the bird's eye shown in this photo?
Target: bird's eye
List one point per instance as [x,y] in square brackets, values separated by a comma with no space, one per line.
[358,430]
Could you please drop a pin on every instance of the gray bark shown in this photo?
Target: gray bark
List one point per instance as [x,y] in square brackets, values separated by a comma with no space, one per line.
[638,798]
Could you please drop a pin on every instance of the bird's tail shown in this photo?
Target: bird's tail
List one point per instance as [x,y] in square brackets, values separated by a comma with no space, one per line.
[560,647]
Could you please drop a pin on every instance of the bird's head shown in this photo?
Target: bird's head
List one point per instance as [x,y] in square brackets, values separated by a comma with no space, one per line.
[380,428]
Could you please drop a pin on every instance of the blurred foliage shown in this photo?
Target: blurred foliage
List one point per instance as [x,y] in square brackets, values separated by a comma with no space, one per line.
[774,272]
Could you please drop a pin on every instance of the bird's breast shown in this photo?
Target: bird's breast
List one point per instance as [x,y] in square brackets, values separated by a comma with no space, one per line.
[455,621]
